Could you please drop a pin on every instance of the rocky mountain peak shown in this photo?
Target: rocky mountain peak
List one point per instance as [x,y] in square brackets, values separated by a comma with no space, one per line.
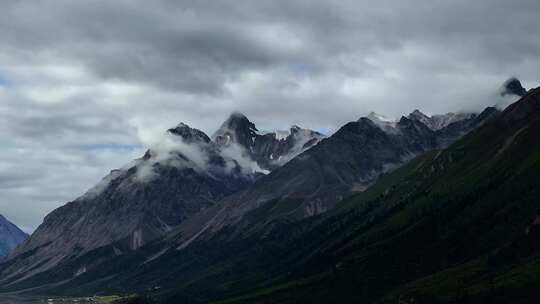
[513,86]
[438,122]
[385,123]
[293,131]
[188,134]
[418,115]
[379,117]
[295,128]
[408,122]
[523,109]
[238,122]
[237,116]
[238,129]
[268,149]
[296,131]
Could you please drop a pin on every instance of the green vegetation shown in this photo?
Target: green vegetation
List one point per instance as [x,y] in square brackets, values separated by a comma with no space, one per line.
[452,226]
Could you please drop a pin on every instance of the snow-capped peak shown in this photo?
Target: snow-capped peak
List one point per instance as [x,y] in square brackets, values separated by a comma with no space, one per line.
[437,122]
[281,134]
[375,117]
[238,129]
[513,86]
[386,124]
[189,134]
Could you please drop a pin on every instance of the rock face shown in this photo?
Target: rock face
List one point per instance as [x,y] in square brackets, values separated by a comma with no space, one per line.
[269,150]
[513,87]
[437,122]
[522,110]
[348,161]
[10,236]
[451,126]
[182,175]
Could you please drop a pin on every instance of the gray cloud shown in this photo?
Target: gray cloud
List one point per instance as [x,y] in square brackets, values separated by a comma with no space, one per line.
[85,84]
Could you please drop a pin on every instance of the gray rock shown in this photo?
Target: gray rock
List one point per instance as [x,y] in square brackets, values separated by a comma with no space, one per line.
[317,179]
[148,198]
[270,150]
[136,204]
[513,86]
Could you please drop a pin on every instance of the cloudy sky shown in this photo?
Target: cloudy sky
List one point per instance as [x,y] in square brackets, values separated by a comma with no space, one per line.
[85,85]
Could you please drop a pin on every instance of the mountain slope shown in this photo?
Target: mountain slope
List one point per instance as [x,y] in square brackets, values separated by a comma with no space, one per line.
[269,150]
[453,226]
[348,161]
[190,188]
[10,236]
[177,178]
[215,236]
[184,173]
[513,86]
[437,122]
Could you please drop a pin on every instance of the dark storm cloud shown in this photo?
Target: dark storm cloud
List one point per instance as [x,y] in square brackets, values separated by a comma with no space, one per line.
[83,84]
[198,46]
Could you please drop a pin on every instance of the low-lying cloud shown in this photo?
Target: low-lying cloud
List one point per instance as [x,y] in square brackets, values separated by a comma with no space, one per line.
[171,150]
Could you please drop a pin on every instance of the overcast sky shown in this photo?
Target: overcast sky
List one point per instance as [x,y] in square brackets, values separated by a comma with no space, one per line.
[84,85]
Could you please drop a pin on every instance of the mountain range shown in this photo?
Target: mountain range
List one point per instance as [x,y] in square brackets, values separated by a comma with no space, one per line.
[185,173]
[424,209]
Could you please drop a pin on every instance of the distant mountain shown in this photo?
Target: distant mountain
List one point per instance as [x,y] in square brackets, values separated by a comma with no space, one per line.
[513,86]
[437,122]
[10,236]
[270,150]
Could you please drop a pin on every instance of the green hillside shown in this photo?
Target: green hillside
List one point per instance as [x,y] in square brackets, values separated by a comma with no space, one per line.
[452,226]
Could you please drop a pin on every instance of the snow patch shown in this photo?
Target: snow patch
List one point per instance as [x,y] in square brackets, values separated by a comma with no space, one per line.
[173,151]
[281,134]
[300,138]
[235,155]
[136,239]
[384,123]
[80,271]
[440,121]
